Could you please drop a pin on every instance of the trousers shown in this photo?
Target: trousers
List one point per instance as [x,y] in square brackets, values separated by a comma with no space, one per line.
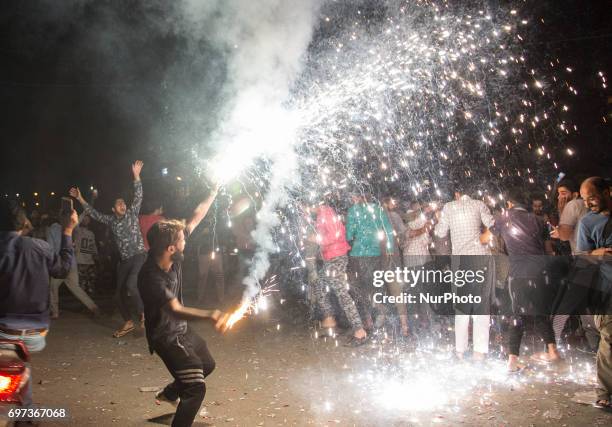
[189,362]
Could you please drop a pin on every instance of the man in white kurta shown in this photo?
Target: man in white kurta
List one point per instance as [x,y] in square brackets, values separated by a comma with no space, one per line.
[464,218]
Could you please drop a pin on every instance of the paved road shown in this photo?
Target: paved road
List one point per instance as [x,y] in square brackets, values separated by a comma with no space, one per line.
[270,372]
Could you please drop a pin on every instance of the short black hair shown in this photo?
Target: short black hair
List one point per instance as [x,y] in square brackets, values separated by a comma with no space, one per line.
[515,196]
[568,183]
[12,216]
[461,187]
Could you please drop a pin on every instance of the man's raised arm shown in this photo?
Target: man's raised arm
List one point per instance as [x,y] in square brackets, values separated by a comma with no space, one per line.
[200,212]
[136,168]
[94,214]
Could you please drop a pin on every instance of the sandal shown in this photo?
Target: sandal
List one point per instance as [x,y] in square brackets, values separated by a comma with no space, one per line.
[603,404]
[356,342]
[123,331]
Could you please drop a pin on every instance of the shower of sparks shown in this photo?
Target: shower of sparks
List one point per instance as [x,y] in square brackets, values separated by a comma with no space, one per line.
[389,381]
[255,305]
[407,100]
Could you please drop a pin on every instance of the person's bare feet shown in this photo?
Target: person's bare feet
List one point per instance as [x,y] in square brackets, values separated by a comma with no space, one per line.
[514,365]
[328,322]
[546,357]
[360,333]
[479,357]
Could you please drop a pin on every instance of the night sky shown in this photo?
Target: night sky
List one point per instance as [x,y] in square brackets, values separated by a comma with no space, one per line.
[87,87]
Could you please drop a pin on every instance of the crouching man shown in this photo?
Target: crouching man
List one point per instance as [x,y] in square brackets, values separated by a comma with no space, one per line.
[183,352]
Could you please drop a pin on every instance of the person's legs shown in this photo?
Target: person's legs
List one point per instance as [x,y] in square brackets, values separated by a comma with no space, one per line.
[322,289]
[543,327]
[87,277]
[395,289]
[480,328]
[189,361]
[201,350]
[590,331]
[122,303]
[335,272]
[462,323]
[54,285]
[604,358]
[72,281]
[515,335]
[558,324]
[361,290]
[131,286]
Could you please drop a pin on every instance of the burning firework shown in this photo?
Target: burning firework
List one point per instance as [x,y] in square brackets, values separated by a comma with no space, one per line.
[407,99]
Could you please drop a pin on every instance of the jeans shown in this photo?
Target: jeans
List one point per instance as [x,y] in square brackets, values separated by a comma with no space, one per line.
[128,297]
[34,343]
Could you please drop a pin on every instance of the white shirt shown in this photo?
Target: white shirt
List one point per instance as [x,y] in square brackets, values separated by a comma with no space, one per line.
[416,250]
[571,216]
[464,218]
[84,245]
[418,245]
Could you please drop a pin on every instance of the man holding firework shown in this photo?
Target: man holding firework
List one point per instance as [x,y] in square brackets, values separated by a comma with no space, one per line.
[183,352]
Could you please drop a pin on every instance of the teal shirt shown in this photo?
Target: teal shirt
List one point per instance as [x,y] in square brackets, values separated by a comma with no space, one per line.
[363,225]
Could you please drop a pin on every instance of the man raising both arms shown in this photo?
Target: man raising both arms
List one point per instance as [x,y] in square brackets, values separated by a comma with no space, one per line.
[183,352]
[126,231]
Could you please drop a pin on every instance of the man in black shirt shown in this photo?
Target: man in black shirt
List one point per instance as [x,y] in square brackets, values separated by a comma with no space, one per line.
[183,352]
[527,243]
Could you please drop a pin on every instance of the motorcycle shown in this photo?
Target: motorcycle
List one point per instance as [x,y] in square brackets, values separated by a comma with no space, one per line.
[14,376]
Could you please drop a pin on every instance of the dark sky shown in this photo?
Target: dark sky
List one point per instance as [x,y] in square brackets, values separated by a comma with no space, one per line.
[89,86]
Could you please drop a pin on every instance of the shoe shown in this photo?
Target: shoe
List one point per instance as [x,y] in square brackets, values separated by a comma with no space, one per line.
[161,397]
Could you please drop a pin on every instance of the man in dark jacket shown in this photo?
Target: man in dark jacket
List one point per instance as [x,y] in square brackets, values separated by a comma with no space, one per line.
[527,242]
[25,267]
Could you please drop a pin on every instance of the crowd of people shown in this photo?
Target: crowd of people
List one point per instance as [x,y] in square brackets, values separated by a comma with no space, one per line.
[530,256]
[343,250]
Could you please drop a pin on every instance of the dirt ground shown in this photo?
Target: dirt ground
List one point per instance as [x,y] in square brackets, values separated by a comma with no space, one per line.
[274,372]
